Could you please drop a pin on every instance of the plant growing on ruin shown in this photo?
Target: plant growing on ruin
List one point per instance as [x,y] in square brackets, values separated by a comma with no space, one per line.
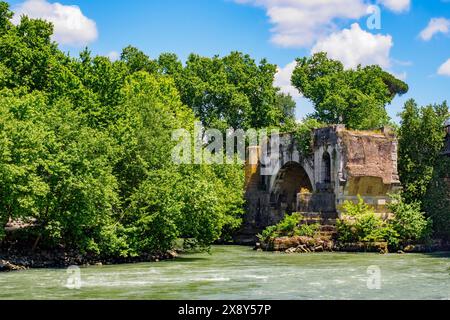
[290,226]
[307,230]
[303,135]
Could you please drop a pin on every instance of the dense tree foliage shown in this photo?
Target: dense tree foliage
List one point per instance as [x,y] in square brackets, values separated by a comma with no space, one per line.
[356,98]
[232,91]
[85,150]
[421,141]
[361,224]
[437,199]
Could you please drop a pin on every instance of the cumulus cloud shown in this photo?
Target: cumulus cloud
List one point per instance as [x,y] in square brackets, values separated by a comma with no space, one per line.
[300,23]
[71,26]
[435,26]
[113,56]
[396,5]
[355,46]
[444,70]
[283,80]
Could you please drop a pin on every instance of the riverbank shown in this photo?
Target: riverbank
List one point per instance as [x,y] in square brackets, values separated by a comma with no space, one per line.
[301,244]
[20,259]
[14,259]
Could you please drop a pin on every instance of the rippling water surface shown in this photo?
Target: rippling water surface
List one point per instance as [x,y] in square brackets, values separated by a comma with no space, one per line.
[240,273]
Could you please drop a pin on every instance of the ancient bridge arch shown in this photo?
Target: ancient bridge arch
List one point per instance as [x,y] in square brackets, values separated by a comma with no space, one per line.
[281,171]
[287,182]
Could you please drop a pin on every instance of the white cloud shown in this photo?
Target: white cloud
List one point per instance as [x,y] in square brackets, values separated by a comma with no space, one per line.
[401,76]
[71,26]
[436,25]
[396,5]
[355,46]
[444,70]
[300,23]
[283,80]
[113,56]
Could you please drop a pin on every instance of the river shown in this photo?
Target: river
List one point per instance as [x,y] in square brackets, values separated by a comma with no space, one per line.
[232,272]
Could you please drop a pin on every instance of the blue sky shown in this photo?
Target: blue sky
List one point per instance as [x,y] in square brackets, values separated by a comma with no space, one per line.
[279,30]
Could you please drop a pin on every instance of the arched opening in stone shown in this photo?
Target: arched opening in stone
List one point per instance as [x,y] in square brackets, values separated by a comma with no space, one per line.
[291,181]
[326,168]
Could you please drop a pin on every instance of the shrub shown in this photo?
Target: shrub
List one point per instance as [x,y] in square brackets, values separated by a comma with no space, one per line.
[289,227]
[409,221]
[303,134]
[361,224]
[268,233]
[307,230]
[289,224]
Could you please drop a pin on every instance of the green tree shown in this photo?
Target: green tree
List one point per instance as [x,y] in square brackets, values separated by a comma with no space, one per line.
[360,223]
[166,201]
[29,53]
[437,199]
[5,17]
[101,82]
[136,60]
[56,170]
[287,106]
[354,97]
[168,63]
[232,91]
[85,143]
[22,189]
[421,140]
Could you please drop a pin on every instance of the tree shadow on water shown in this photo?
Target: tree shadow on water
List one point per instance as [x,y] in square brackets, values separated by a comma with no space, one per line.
[439,254]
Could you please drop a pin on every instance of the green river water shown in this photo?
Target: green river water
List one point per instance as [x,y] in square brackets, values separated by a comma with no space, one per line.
[237,273]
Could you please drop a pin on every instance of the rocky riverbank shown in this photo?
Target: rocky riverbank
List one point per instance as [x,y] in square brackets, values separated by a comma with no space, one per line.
[297,245]
[16,260]
[292,245]
[8,266]
[20,259]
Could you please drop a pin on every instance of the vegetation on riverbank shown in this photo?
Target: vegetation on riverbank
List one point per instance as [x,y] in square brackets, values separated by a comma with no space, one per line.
[86,144]
[359,224]
[407,225]
[290,226]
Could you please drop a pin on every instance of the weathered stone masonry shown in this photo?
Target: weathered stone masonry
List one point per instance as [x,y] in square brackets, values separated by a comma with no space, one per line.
[343,165]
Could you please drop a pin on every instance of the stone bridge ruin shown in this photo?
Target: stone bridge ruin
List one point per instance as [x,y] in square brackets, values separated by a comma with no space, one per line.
[343,165]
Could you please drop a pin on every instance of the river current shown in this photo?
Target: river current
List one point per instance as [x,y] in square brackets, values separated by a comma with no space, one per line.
[235,273]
